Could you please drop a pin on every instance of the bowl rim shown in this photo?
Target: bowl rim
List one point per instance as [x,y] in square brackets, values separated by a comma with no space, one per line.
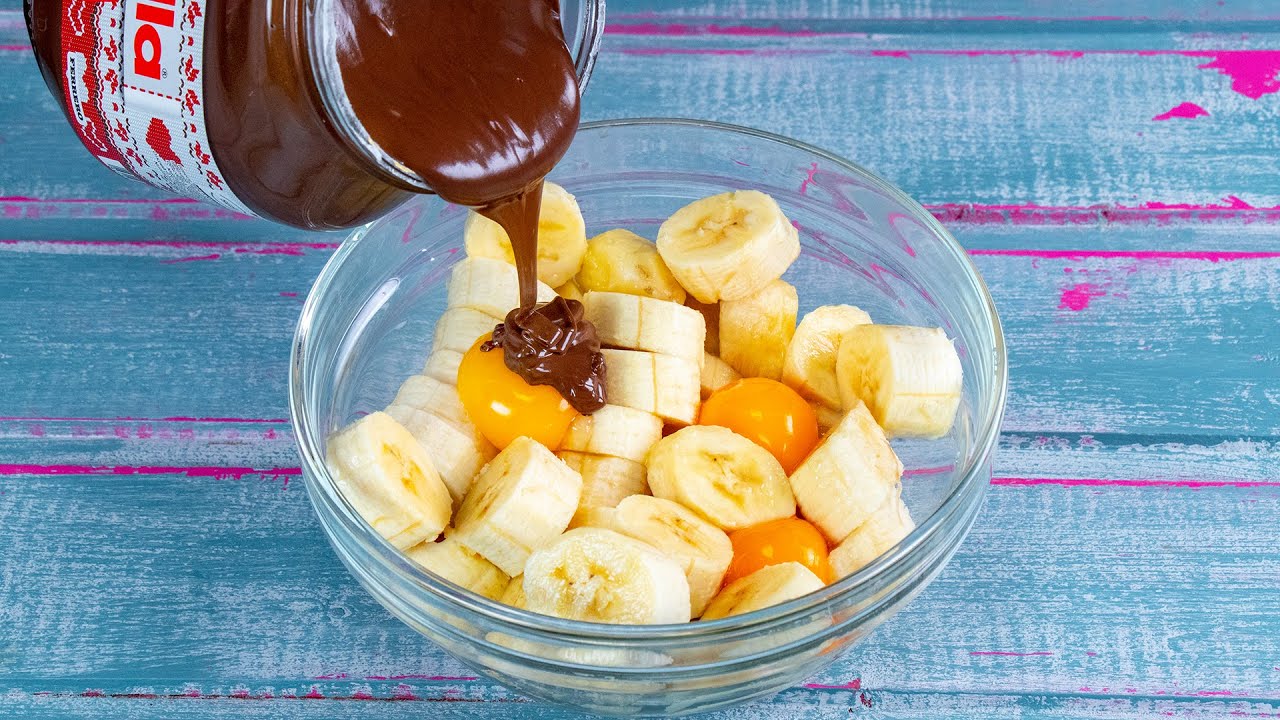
[974,478]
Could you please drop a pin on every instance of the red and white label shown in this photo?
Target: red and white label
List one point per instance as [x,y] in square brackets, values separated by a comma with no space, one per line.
[133,81]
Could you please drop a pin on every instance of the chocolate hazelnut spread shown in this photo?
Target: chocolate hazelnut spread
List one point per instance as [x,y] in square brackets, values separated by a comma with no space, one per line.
[483,133]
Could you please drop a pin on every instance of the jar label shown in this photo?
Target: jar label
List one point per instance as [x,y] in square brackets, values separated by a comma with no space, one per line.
[133,82]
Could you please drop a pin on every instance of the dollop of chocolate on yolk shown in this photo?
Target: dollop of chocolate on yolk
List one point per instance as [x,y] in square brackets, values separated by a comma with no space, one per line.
[553,344]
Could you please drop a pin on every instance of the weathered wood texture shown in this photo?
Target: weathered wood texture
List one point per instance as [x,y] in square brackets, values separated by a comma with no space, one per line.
[158,557]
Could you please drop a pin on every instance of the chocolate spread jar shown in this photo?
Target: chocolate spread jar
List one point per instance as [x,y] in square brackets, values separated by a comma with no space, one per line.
[235,102]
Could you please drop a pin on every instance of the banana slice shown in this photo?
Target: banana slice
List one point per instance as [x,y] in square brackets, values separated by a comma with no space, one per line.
[716,373]
[570,290]
[909,377]
[755,331]
[887,526]
[810,365]
[456,455]
[770,585]
[633,322]
[513,595]
[602,576]
[667,386]
[562,237]
[615,430]
[827,417]
[428,394]
[522,500]
[605,482]
[390,480]
[728,246]
[701,549]
[711,316]
[458,564]
[720,475]
[490,286]
[850,474]
[458,329]
[621,261]
[443,366]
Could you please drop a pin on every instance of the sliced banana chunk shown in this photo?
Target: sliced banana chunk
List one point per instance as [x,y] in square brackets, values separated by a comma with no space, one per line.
[768,586]
[622,261]
[458,329]
[519,503]
[390,480]
[513,595]
[716,373]
[570,291]
[456,455]
[606,481]
[827,417]
[598,575]
[667,386]
[439,398]
[850,474]
[490,286]
[909,377]
[728,246]
[633,322]
[458,564]
[614,430]
[720,475]
[562,237]
[755,331]
[889,525]
[810,365]
[701,549]
[443,366]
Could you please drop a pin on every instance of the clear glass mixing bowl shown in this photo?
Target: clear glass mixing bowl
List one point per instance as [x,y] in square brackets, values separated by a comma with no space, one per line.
[367,325]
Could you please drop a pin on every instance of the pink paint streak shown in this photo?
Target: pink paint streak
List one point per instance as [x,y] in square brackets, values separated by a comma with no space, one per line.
[1005,653]
[289,294]
[1154,255]
[689,30]
[433,678]
[854,684]
[192,258]
[808,179]
[1187,110]
[1231,209]
[198,471]
[1131,483]
[14,48]
[1077,297]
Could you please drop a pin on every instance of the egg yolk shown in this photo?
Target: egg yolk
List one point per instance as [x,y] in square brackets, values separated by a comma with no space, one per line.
[769,414]
[778,541]
[504,407]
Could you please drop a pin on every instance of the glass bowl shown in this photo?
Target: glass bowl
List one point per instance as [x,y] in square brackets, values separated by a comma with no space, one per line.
[367,325]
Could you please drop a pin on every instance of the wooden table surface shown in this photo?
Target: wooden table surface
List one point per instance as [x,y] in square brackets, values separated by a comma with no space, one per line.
[1114,167]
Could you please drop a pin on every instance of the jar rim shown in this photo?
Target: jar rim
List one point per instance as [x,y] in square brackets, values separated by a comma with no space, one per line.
[322,55]
[911,552]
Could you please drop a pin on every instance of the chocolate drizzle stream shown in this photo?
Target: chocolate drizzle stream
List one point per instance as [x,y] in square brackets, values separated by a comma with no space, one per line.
[480,98]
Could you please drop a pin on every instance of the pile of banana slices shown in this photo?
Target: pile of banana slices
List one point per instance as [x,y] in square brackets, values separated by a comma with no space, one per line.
[627,520]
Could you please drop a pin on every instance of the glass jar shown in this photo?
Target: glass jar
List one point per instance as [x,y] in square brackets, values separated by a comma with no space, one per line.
[232,101]
[368,324]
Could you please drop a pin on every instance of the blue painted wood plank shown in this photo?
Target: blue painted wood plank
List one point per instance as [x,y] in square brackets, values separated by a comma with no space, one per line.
[1086,334]
[1092,592]
[1078,131]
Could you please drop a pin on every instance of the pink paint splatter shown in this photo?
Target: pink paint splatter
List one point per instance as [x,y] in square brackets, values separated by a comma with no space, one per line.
[37,431]
[289,294]
[1077,297]
[808,179]
[1253,73]
[1188,110]
[854,684]
[315,693]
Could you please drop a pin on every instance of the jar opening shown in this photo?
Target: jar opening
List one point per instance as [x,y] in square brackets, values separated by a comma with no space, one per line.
[581,20]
